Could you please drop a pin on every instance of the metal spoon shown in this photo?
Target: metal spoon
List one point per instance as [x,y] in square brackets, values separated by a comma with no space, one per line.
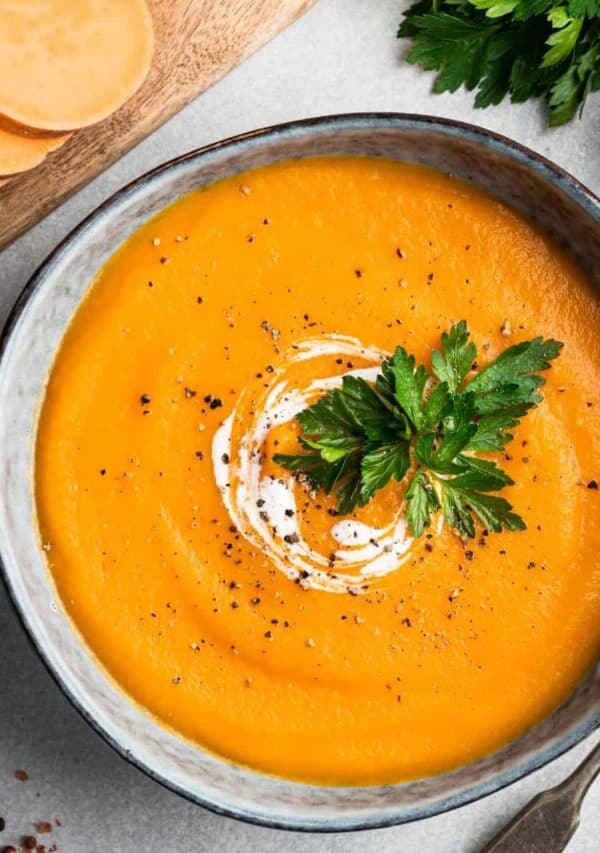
[549,820]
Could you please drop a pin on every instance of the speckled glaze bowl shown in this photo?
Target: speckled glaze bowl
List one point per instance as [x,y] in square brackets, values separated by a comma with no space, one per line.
[569,212]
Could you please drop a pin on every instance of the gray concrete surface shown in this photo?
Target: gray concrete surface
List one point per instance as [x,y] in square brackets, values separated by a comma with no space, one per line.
[341,57]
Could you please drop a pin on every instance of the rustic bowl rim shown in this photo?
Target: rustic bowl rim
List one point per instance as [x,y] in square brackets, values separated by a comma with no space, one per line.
[511,149]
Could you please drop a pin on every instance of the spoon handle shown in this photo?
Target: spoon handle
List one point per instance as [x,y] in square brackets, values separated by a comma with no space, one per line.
[548,821]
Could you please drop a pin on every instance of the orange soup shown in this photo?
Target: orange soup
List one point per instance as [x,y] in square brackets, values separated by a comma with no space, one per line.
[316,653]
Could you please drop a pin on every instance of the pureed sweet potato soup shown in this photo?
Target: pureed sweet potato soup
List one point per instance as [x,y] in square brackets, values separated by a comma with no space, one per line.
[291,630]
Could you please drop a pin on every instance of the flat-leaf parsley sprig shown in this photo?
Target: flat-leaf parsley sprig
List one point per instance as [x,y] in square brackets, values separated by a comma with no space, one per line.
[429,427]
[522,48]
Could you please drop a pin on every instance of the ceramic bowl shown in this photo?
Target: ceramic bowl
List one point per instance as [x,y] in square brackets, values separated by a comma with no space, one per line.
[569,212]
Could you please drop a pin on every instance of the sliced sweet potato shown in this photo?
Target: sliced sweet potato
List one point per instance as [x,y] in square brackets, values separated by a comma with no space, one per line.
[19,153]
[66,64]
[19,130]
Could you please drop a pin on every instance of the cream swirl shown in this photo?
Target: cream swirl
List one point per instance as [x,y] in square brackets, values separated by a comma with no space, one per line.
[263,507]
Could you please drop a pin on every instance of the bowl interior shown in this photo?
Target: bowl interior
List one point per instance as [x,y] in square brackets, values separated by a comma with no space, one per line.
[553,199]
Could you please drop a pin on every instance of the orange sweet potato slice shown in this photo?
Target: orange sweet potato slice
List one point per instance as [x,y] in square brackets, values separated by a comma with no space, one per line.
[66,64]
[19,153]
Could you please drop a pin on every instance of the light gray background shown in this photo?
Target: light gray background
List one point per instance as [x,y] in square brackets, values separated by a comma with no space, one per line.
[341,57]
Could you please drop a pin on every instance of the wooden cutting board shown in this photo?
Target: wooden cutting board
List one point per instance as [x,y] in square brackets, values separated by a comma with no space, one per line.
[196,43]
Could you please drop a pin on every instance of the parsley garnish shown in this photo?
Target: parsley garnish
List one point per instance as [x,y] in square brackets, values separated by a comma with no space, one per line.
[426,427]
[521,48]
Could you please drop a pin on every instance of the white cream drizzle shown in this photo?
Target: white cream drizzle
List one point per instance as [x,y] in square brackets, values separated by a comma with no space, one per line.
[257,502]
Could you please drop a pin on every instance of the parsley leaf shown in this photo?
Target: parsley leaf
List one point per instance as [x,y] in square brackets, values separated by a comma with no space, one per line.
[407,383]
[373,413]
[307,463]
[457,429]
[437,406]
[422,501]
[569,92]
[578,8]
[512,379]
[496,8]
[491,434]
[456,512]
[481,474]
[347,489]
[379,464]
[426,429]
[329,416]
[563,40]
[342,478]
[495,513]
[518,48]
[452,44]
[457,356]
